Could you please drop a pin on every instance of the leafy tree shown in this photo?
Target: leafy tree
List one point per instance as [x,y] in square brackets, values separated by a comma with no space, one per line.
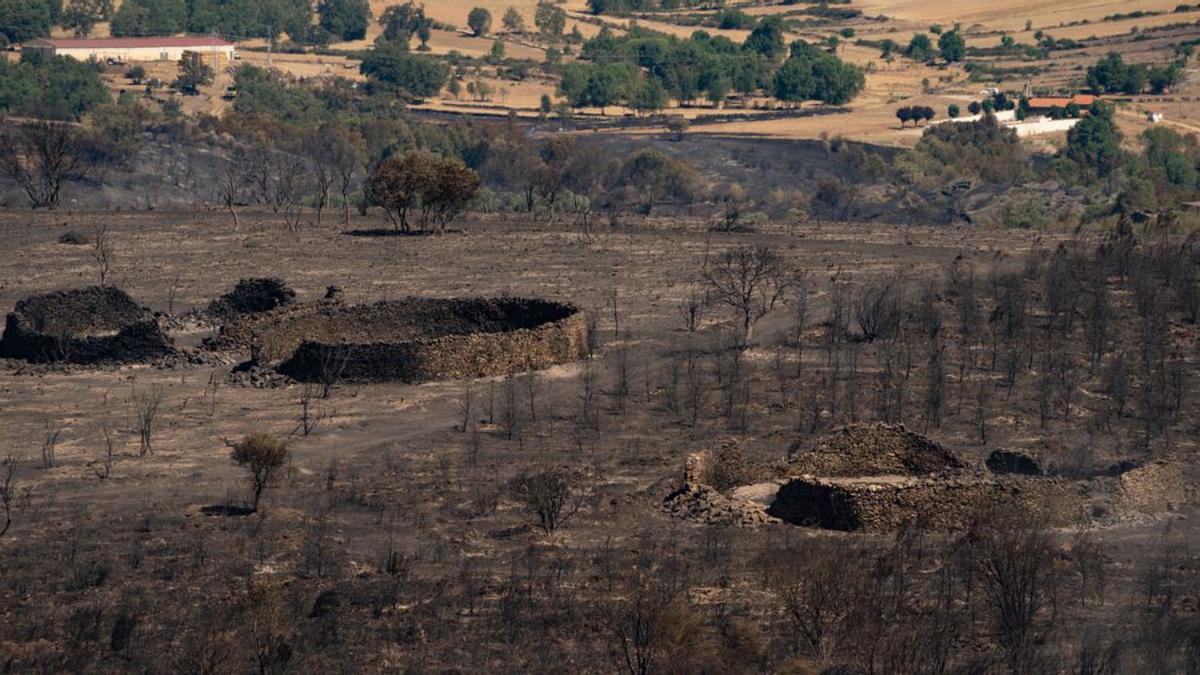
[81,16]
[767,38]
[974,107]
[920,48]
[237,19]
[550,20]
[347,19]
[1111,74]
[654,177]
[1162,78]
[813,74]
[136,74]
[262,455]
[952,46]
[54,88]
[441,189]
[904,114]
[513,21]
[953,110]
[412,74]
[649,96]
[1094,145]
[401,22]
[599,85]
[193,73]
[397,184]
[150,17]
[22,20]
[479,21]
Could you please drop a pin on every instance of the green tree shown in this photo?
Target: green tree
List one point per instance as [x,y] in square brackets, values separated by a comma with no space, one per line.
[952,46]
[193,73]
[767,38]
[953,110]
[1094,145]
[22,20]
[649,96]
[920,48]
[81,16]
[479,21]
[263,456]
[550,20]
[412,74]
[150,17]
[513,21]
[347,19]
[401,22]
[497,52]
[598,85]
[813,74]
[58,88]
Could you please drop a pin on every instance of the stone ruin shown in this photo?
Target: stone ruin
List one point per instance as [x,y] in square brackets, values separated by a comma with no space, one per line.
[92,325]
[879,478]
[410,340]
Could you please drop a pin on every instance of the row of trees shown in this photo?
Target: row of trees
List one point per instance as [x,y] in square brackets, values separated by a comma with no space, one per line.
[645,69]
[235,19]
[920,47]
[916,113]
[1112,75]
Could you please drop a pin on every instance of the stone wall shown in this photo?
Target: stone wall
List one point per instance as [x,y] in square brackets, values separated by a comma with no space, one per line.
[881,504]
[87,325]
[413,340]
[1154,487]
[871,450]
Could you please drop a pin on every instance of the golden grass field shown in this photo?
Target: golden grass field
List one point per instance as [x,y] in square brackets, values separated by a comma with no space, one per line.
[870,117]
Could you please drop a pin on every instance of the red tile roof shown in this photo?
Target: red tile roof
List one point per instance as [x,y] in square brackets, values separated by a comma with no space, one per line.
[131,43]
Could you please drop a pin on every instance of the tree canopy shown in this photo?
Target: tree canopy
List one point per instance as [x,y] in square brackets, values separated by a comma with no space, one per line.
[22,20]
[55,88]
[411,74]
[813,74]
[347,19]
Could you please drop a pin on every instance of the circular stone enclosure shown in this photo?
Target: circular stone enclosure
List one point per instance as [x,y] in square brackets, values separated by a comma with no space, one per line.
[96,324]
[420,339]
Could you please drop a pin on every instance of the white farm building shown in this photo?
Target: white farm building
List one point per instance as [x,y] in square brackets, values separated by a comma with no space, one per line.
[134,49]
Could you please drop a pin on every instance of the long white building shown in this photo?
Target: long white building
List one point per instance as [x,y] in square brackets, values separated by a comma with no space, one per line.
[133,49]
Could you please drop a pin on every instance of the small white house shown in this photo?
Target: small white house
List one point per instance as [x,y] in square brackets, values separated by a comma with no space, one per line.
[133,49]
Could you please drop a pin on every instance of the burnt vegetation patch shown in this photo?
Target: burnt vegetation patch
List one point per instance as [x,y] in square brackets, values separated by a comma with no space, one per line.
[97,324]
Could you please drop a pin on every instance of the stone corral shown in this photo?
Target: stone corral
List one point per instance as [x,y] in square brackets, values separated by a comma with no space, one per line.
[414,339]
[872,450]
[97,324]
[879,478]
[886,503]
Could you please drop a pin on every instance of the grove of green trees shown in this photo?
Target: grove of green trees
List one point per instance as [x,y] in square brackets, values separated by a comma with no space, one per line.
[632,69]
